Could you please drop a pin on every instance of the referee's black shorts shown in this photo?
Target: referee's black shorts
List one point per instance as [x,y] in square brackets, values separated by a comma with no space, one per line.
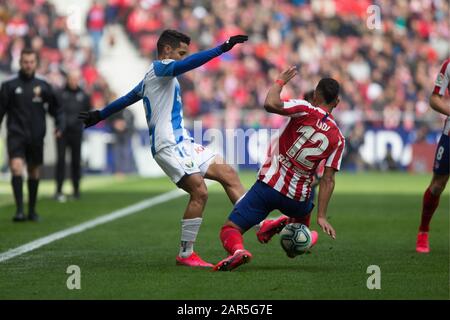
[33,153]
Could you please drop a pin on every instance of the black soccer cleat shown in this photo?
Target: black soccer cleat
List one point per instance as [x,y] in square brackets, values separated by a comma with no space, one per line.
[33,217]
[76,196]
[19,217]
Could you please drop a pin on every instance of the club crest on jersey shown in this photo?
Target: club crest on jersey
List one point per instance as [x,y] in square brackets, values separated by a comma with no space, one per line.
[189,164]
[322,125]
[37,94]
[18,90]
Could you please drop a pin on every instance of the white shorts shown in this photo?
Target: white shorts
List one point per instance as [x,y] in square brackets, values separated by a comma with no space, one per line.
[185,158]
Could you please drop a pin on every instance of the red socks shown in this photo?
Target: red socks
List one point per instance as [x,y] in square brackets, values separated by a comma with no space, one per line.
[231,239]
[430,203]
[306,220]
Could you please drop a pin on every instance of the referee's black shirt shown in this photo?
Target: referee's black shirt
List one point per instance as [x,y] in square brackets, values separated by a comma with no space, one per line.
[26,100]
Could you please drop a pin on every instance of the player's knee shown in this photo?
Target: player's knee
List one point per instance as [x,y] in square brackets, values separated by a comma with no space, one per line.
[33,172]
[16,170]
[16,167]
[200,194]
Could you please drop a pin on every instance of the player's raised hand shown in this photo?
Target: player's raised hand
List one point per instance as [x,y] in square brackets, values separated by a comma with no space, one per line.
[90,118]
[230,43]
[288,74]
[326,227]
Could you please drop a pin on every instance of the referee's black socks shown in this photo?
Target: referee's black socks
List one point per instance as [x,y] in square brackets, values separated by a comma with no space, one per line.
[32,194]
[17,183]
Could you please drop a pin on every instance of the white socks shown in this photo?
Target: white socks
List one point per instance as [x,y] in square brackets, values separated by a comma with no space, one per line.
[189,231]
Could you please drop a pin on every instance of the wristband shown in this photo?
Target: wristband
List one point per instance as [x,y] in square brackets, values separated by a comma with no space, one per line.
[280,82]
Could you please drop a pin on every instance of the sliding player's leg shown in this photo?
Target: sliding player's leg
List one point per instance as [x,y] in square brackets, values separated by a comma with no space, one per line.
[270,227]
[292,212]
[233,242]
[248,212]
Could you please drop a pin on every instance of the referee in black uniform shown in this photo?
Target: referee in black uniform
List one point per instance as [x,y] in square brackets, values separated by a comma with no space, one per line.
[26,99]
[73,101]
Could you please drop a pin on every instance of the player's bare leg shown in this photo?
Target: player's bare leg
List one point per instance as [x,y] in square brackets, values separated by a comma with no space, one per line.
[228,178]
[231,237]
[430,203]
[17,165]
[223,173]
[192,219]
[196,187]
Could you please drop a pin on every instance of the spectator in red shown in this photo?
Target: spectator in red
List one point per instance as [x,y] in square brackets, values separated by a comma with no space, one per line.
[95,25]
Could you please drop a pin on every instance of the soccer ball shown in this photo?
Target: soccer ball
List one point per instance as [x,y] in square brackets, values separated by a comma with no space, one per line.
[295,239]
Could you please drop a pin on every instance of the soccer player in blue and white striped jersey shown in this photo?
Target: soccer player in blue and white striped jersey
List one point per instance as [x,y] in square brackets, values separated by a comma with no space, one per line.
[185,162]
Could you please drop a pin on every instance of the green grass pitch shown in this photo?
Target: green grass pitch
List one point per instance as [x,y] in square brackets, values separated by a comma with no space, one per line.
[375,215]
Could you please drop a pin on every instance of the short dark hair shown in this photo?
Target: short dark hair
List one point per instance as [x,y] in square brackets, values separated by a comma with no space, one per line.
[171,38]
[328,88]
[309,96]
[29,51]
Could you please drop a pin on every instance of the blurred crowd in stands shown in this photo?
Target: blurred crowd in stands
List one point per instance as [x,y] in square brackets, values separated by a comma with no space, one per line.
[387,72]
[35,24]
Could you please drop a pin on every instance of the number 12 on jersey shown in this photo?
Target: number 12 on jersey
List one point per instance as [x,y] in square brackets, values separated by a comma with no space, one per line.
[300,150]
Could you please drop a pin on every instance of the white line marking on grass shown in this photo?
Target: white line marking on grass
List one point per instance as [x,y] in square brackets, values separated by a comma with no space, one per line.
[33,245]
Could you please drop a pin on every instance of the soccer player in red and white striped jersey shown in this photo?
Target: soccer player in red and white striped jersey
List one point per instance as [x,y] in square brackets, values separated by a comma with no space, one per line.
[284,181]
[441,160]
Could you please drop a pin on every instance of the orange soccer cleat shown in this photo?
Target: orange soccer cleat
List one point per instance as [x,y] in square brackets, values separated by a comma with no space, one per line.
[422,244]
[314,238]
[193,260]
[232,262]
[269,228]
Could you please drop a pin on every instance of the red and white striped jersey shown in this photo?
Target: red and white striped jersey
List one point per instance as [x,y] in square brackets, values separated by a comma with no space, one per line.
[310,136]
[441,85]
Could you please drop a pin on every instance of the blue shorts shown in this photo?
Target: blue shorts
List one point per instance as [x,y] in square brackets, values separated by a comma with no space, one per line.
[441,159]
[262,199]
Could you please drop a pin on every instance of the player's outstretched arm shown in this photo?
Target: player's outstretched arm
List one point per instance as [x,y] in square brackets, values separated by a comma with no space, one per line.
[91,118]
[273,103]
[198,59]
[438,104]
[326,187]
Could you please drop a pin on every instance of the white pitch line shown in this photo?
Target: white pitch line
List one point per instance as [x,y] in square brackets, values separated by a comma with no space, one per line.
[33,245]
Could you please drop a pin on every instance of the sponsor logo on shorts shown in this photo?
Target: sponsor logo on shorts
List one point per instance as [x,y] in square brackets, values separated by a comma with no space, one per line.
[189,164]
[199,149]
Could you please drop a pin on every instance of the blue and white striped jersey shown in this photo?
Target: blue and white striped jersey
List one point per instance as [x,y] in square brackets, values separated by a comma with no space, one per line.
[161,95]
[163,106]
